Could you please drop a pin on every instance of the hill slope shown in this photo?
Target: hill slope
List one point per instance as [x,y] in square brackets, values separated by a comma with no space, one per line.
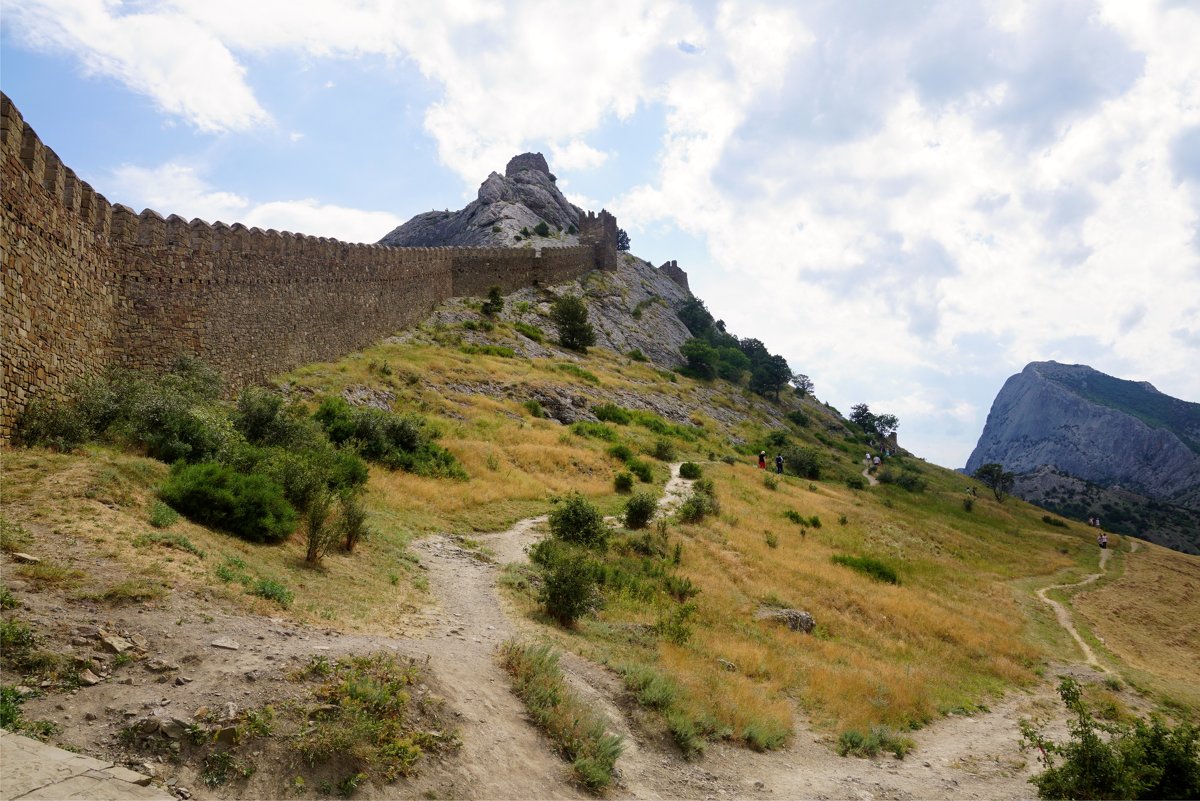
[681,649]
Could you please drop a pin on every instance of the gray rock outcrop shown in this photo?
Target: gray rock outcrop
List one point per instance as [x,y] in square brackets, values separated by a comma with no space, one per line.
[524,196]
[1112,432]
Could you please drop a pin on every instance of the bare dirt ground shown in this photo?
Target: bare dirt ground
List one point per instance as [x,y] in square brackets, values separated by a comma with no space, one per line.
[183,668]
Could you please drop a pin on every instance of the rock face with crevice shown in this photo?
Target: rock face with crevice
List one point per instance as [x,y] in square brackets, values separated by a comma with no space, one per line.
[526,195]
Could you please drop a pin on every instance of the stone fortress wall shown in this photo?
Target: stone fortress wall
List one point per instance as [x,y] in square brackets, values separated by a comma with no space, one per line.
[87,283]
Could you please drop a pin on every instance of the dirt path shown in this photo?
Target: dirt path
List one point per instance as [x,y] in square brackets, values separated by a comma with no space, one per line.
[1064,617]
[871,480]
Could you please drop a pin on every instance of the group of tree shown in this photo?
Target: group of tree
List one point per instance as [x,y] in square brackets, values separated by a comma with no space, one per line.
[713,352]
[881,425]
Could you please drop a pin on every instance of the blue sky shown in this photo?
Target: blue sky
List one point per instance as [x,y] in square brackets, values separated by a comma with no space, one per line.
[910,200]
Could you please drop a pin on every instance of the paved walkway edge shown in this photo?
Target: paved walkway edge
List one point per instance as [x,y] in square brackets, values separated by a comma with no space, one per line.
[33,770]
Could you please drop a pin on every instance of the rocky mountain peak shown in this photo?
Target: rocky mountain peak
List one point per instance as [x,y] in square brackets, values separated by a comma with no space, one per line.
[527,161]
[505,213]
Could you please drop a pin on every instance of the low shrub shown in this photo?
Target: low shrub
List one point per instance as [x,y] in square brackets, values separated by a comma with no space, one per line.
[637,355]
[542,229]
[651,688]
[578,372]
[640,469]
[176,542]
[494,303]
[586,428]
[623,482]
[868,566]
[398,442]
[621,451]
[798,418]
[1054,521]
[249,506]
[772,540]
[701,503]
[795,517]
[611,413]
[162,516]
[352,520]
[573,519]
[690,470]
[802,462]
[663,450]
[681,588]
[530,331]
[568,588]
[534,407]
[968,504]
[273,591]
[319,528]
[1113,759]
[856,483]
[503,351]
[639,510]
[770,482]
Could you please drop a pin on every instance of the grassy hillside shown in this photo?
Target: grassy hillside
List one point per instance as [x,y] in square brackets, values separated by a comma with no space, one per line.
[678,614]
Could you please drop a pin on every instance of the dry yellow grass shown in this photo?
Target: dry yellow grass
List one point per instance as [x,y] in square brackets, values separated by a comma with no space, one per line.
[1149,617]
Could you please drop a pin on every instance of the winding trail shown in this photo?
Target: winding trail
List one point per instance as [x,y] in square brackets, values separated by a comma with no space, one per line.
[505,756]
[1064,617]
[871,480]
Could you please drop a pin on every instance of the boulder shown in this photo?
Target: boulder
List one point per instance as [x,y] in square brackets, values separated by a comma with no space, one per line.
[794,619]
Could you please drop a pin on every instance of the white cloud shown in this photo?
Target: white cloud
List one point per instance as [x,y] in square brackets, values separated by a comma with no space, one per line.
[576,155]
[295,136]
[164,55]
[179,189]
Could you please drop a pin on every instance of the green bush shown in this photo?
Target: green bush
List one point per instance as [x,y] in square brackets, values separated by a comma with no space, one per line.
[701,503]
[690,470]
[611,413]
[573,519]
[568,589]
[586,428]
[1116,760]
[868,566]
[541,229]
[640,469]
[770,482]
[795,517]
[798,418]
[968,504]
[534,407]
[621,452]
[352,520]
[663,450]
[856,483]
[578,372]
[249,506]
[530,331]
[1054,521]
[802,462]
[623,482]
[639,510]
[637,355]
[398,442]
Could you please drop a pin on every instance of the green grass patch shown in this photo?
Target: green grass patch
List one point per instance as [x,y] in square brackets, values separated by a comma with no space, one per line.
[177,542]
[503,351]
[578,372]
[576,730]
[876,740]
[868,566]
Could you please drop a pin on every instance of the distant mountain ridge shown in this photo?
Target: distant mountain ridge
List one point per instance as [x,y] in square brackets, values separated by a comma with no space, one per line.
[1114,433]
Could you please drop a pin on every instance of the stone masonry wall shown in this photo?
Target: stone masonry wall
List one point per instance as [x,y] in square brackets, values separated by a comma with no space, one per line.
[86,284]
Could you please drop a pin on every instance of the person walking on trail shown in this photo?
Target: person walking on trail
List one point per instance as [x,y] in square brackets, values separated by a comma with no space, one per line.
[877,461]
[1102,540]
[779,463]
[762,460]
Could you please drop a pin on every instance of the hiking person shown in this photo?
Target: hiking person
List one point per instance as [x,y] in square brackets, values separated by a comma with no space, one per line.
[779,463]
[1102,540]
[762,460]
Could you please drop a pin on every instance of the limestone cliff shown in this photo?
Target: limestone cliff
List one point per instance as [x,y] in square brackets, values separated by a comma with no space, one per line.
[520,199]
[1113,433]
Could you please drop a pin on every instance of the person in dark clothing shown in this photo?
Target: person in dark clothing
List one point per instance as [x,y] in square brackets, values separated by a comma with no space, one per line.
[779,463]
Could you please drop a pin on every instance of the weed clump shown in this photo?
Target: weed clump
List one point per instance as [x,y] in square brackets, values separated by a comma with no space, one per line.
[880,738]
[586,428]
[623,482]
[641,469]
[398,442]
[663,450]
[690,471]
[701,503]
[569,577]
[580,734]
[611,413]
[868,566]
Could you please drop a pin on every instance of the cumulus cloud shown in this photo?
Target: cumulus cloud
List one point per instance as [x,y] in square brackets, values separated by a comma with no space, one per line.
[180,189]
[910,200]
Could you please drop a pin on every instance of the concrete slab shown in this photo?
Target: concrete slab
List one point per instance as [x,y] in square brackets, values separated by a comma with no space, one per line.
[30,769]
